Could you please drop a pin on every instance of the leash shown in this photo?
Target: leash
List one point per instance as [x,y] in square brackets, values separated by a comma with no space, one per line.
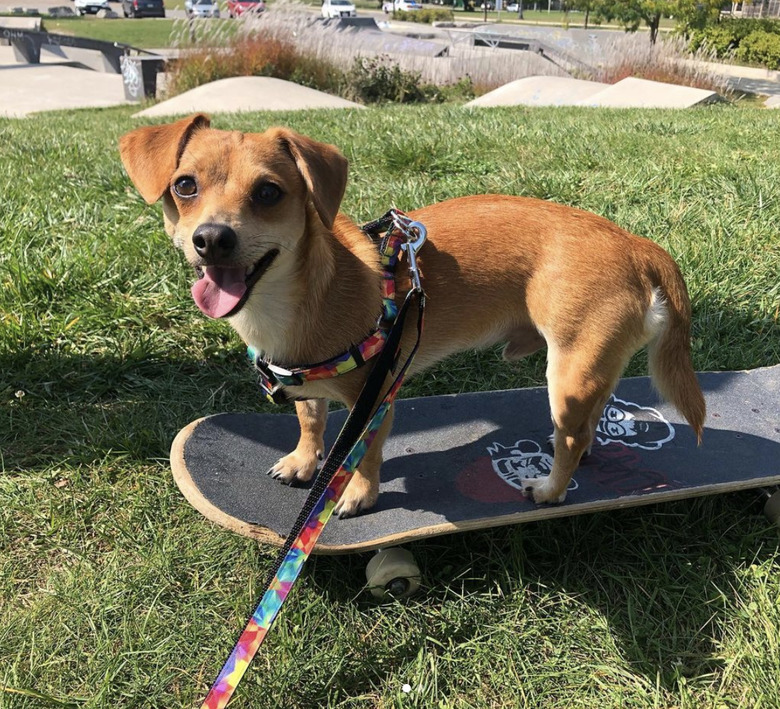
[353,441]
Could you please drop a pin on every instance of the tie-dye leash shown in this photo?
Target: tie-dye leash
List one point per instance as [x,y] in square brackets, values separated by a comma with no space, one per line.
[300,543]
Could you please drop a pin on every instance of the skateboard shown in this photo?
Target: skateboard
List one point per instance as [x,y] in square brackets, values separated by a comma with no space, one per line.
[457,462]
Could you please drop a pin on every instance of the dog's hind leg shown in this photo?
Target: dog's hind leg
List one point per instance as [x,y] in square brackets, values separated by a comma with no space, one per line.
[579,387]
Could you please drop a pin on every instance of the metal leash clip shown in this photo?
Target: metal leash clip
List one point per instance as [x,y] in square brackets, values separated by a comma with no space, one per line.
[415,233]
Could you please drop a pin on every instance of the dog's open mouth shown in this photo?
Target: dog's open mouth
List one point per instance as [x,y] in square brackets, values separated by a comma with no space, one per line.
[221,290]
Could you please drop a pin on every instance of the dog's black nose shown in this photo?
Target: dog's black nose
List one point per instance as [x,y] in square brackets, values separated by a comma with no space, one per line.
[214,241]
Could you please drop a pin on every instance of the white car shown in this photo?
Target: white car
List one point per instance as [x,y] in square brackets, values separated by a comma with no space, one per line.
[90,7]
[402,5]
[201,8]
[338,8]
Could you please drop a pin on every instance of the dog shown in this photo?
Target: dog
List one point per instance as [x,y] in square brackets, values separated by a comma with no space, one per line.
[257,217]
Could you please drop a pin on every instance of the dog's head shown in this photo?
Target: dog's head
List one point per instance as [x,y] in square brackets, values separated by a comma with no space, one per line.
[237,204]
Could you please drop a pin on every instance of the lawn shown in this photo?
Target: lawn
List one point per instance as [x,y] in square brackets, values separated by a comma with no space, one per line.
[114,593]
[146,33]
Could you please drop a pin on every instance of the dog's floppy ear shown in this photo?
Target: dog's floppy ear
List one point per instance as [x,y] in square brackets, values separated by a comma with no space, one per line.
[150,154]
[323,168]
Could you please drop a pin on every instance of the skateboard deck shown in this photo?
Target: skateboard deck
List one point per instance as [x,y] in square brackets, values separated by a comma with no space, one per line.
[455,463]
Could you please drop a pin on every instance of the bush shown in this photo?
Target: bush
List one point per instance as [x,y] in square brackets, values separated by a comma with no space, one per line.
[719,39]
[760,48]
[427,16]
[252,56]
[727,36]
[378,79]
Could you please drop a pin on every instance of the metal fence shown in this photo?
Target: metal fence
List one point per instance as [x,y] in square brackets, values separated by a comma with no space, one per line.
[767,8]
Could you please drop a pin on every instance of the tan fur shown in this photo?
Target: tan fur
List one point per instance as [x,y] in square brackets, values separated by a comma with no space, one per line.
[525,272]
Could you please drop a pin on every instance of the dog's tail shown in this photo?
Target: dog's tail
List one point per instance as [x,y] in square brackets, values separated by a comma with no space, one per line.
[669,352]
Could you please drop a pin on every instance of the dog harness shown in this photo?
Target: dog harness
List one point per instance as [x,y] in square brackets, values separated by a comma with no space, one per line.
[353,441]
[274,377]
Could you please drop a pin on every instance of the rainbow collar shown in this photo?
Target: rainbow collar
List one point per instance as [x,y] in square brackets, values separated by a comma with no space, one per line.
[273,378]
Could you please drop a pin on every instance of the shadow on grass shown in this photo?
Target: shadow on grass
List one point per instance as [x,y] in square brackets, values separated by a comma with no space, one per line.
[74,410]
[626,601]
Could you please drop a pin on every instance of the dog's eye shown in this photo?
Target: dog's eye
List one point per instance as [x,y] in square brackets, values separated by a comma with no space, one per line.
[266,194]
[185,187]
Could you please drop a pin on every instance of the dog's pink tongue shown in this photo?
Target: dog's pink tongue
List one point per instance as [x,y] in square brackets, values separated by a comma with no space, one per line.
[219,291]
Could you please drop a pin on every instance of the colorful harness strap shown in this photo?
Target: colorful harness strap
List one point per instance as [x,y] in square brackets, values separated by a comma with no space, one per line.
[300,543]
[273,377]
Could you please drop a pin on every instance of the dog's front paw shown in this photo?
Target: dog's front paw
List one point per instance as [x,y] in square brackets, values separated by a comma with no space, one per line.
[298,465]
[357,498]
[540,491]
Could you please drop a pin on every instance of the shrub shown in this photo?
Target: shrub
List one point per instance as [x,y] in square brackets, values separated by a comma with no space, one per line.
[252,55]
[760,48]
[427,16]
[378,79]
[727,36]
[719,39]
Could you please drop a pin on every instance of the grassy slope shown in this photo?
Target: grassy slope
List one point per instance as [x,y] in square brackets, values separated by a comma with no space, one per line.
[114,593]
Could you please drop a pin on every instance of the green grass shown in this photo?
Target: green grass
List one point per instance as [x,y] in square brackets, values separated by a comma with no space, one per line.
[115,593]
[146,33]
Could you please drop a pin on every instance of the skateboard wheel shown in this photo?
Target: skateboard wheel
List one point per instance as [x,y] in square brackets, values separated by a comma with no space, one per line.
[772,508]
[393,573]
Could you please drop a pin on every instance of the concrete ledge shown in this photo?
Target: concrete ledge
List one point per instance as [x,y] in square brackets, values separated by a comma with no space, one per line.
[742,72]
[540,91]
[20,23]
[246,93]
[641,93]
[565,91]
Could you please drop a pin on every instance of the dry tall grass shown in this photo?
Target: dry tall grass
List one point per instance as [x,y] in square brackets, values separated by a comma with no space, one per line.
[668,61]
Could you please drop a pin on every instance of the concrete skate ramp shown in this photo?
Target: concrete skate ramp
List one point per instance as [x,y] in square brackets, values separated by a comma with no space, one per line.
[540,91]
[246,93]
[32,88]
[87,58]
[641,93]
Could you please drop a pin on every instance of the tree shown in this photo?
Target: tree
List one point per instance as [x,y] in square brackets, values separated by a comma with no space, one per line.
[632,13]
[590,7]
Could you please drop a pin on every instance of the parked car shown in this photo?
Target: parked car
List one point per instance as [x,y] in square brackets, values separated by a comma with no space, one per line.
[143,8]
[513,7]
[201,8]
[488,5]
[90,7]
[338,8]
[236,8]
[402,5]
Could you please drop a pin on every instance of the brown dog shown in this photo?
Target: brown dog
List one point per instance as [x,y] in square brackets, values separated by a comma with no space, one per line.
[257,217]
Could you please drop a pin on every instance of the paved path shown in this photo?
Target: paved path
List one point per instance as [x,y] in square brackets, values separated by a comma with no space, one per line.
[27,88]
